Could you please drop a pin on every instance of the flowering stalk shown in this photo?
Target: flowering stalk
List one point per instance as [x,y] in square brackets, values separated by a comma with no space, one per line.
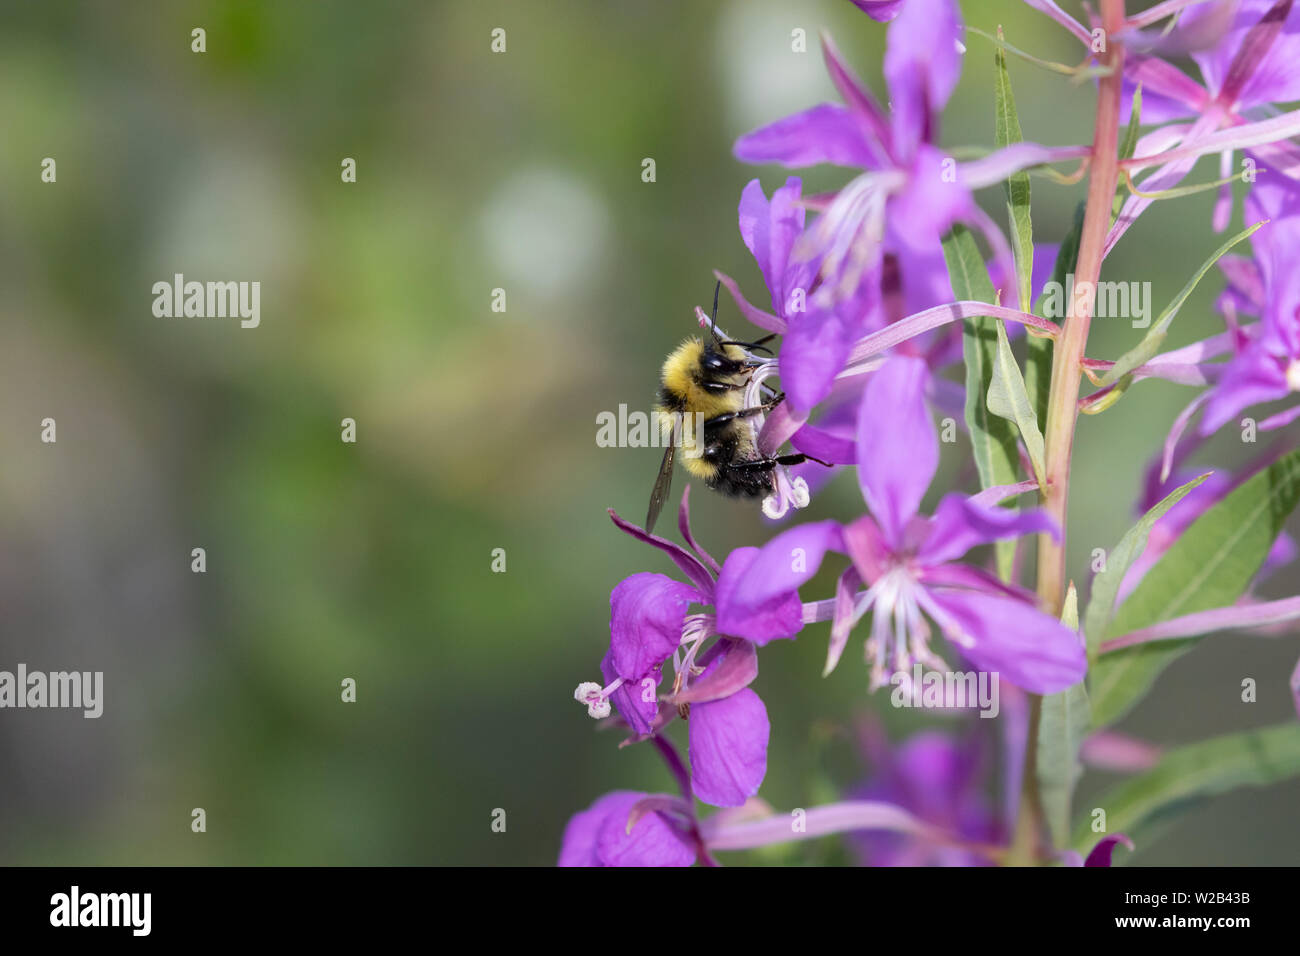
[1062,401]
[865,299]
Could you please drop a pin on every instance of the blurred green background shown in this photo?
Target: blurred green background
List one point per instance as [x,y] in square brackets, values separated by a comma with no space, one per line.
[476,429]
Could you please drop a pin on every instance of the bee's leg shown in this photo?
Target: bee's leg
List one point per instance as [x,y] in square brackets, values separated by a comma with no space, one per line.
[743,413]
[767,464]
[723,386]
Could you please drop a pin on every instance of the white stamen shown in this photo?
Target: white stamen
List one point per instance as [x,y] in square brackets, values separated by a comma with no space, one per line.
[596,697]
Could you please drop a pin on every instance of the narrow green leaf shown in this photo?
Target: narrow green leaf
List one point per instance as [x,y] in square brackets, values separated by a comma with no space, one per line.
[1106,584]
[993,440]
[1155,336]
[1038,355]
[1209,566]
[1009,399]
[1007,132]
[1127,148]
[1063,724]
[1189,774]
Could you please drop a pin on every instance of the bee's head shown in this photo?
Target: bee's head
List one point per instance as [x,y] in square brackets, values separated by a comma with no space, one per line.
[715,361]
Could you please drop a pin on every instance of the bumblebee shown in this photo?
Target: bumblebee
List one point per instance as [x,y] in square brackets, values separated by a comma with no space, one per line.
[706,380]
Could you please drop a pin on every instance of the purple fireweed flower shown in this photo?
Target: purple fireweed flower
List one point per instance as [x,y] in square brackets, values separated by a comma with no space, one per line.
[883,229]
[817,331]
[598,836]
[1267,366]
[909,187]
[939,781]
[903,173]
[907,562]
[728,727]
[1254,64]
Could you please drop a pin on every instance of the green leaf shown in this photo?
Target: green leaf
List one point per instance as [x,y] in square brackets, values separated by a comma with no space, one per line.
[1009,399]
[1006,132]
[993,440]
[1106,584]
[1038,356]
[1063,723]
[1189,774]
[1209,566]
[1155,336]
[1127,148]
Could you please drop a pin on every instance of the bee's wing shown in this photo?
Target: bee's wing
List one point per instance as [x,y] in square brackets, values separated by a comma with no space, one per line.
[663,485]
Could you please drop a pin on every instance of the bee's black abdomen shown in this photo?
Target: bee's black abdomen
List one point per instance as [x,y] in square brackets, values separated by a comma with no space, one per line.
[737,474]
[742,482]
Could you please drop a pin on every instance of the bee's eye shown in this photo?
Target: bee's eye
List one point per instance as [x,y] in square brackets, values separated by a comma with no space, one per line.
[713,361]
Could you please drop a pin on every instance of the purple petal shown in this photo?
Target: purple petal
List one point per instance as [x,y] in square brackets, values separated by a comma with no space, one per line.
[652,842]
[769,230]
[1258,59]
[921,322]
[1199,143]
[1167,92]
[724,834]
[882,11]
[728,748]
[846,593]
[819,341]
[1032,650]
[688,563]
[1001,164]
[817,443]
[578,847]
[921,68]
[922,271]
[598,836]
[924,210]
[684,526]
[764,320]
[860,101]
[1242,278]
[779,427]
[898,450]
[1050,8]
[866,547]
[757,594]
[729,666]
[972,578]
[636,701]
[828,133]
[1280,420]
[646,612]
[1251,378]
[960,523]
[1100,855]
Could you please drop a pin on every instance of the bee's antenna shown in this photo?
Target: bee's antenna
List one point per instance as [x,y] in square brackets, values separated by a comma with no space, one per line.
[713,320]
